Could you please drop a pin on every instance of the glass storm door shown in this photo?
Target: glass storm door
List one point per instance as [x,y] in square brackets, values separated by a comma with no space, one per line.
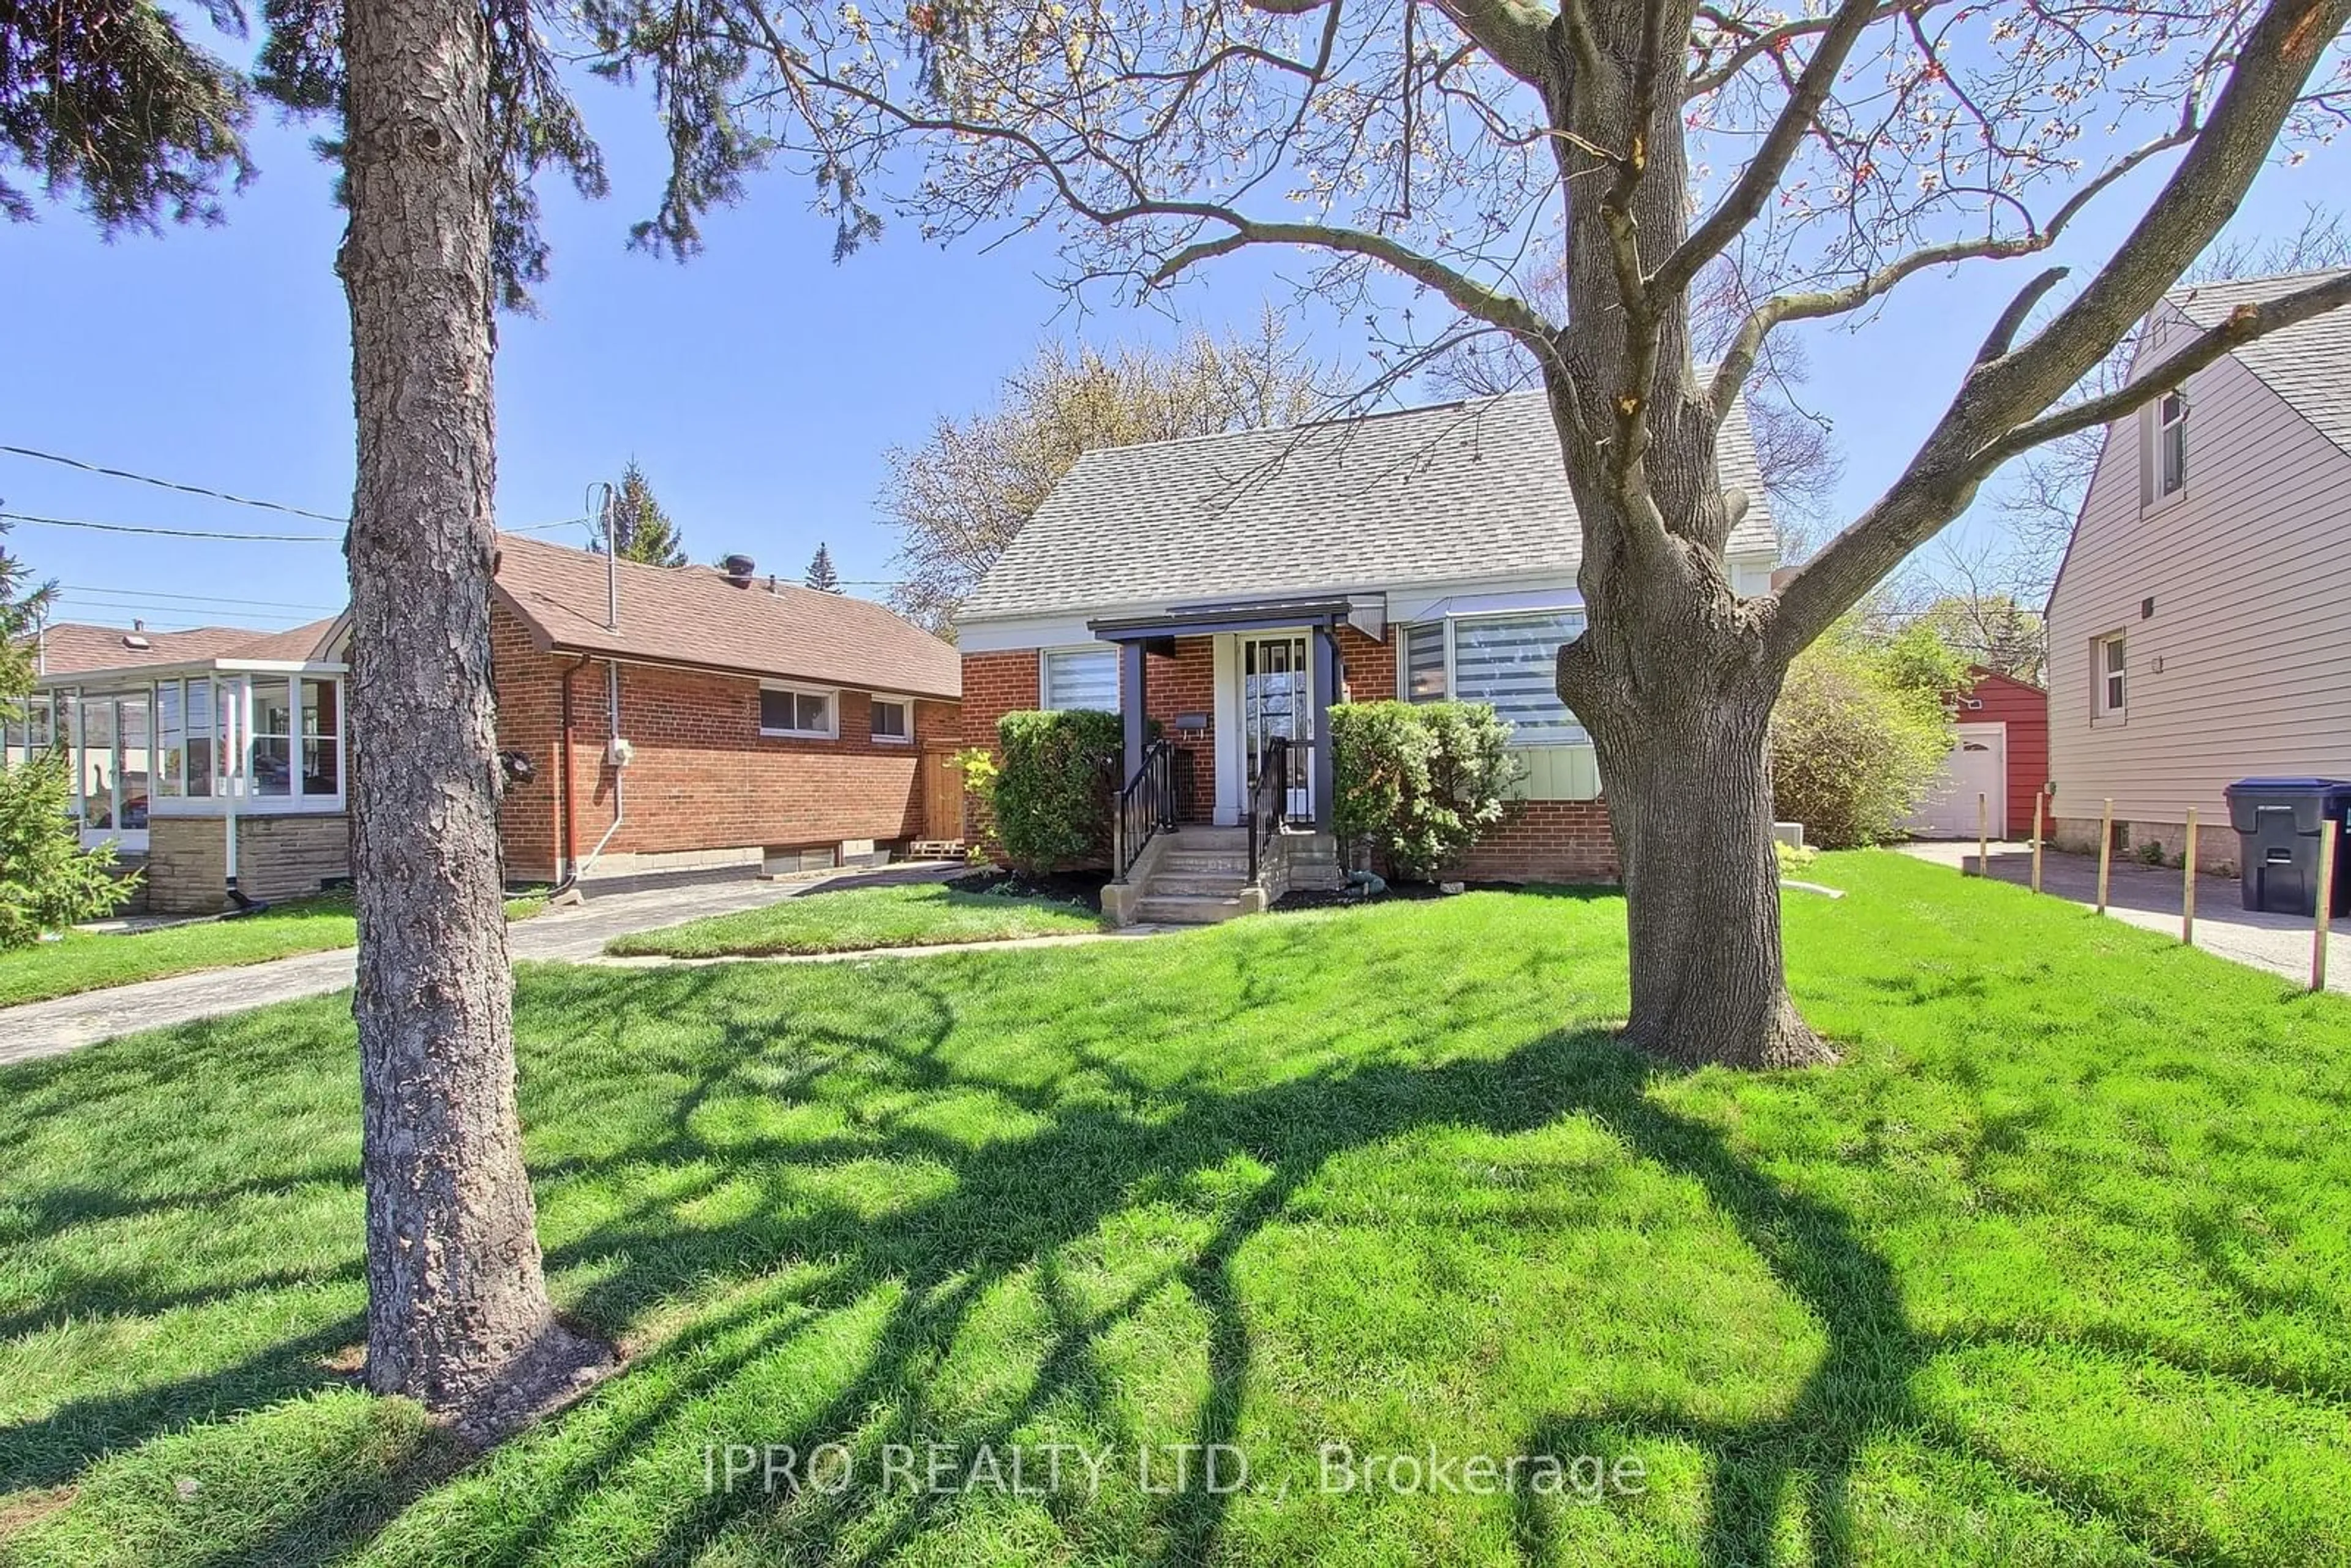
[1274,702]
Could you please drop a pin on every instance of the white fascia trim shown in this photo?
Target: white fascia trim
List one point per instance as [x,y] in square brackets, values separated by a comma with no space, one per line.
[1019,635]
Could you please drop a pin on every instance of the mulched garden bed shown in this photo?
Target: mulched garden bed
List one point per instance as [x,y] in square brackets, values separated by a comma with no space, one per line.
[1320,898]
[1078,887]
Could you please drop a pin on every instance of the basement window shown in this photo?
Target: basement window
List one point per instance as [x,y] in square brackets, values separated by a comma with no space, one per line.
[795,711]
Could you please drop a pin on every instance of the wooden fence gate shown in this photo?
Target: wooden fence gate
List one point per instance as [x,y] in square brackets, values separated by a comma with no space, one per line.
[942,794]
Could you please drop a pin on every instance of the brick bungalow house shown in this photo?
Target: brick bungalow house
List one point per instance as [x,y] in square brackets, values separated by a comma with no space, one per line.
[1231,587]
[762,722]
[765,725]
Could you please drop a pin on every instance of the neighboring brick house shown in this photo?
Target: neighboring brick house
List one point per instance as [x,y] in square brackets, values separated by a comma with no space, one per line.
[214,759]
[1236,584]
[764,723]
[767,726]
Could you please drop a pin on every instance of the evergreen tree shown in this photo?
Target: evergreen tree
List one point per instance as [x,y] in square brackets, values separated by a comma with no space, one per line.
[22,605]
[47,879]
[641,529]
[114,108]
[820,575]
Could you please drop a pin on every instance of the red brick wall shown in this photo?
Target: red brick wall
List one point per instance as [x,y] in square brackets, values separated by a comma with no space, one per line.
[993,686]
[528,687]
[1187,684]
[1545,841]
[703,777]
[1368,669]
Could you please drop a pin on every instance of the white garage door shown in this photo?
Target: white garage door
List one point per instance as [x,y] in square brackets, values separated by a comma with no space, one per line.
[1978,765]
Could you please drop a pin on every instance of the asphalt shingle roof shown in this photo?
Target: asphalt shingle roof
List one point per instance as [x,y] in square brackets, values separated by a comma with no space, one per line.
[2308,365]
[1458,492]
[72,647]
[695,615]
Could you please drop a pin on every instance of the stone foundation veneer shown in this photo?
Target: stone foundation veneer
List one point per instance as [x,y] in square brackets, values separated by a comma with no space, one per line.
[278,858]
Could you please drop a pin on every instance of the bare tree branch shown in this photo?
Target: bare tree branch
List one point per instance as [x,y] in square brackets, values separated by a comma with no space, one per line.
[1756,183]
[2004,395]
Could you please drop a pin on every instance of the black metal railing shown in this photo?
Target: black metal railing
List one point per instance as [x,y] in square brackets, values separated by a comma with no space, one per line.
[1145,806]
[1268,803]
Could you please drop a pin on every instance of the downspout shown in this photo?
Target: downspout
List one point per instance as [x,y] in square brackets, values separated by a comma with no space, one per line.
[614,751]
[571,827]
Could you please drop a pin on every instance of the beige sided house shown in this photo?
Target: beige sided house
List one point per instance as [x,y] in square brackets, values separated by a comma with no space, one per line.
[2200,631]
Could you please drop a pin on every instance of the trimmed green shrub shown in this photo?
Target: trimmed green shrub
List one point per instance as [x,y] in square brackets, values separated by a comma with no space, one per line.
[1859,733]
[48,881]
[1420,782]
[1051,795]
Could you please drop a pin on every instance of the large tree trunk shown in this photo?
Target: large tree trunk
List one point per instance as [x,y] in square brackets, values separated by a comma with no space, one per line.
[1690,804]
[457,1310]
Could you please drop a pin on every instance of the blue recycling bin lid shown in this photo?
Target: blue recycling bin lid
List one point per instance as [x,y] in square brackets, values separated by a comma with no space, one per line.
[2294,786]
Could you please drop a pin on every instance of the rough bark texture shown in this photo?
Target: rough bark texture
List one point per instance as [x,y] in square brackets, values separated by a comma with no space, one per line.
[1690,801]
[457,1309]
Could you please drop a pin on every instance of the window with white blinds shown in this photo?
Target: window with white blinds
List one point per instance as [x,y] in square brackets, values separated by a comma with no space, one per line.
[1075,678]
[1510,661]
[1424,663]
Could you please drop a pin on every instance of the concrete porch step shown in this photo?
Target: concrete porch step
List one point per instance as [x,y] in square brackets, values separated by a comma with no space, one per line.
[1180,885]
[1187,911]
[1203,862]
[1198,836]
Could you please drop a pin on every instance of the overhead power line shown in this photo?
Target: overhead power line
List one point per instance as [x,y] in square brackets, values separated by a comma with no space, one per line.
[171,484]
[170,533]
[145,611]
[192,598]
[214,534]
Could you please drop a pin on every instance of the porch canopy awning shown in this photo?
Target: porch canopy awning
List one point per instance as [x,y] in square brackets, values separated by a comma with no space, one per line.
[1366,613]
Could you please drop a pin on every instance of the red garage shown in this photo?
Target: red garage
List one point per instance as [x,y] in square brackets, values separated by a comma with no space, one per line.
[2000,753]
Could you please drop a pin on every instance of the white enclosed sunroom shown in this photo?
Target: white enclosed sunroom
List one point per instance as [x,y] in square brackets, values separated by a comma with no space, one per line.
[225,775]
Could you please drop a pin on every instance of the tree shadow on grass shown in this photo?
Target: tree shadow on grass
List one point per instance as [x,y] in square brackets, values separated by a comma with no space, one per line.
[794,1259]
[1008,1206]
[1801,1458]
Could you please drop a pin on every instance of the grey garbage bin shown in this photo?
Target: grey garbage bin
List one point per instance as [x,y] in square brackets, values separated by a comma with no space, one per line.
[2279,824]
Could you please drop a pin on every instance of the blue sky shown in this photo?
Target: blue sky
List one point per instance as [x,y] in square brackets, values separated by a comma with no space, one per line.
[760,385]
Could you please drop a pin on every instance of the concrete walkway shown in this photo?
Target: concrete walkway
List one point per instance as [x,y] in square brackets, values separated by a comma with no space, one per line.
[572,935]
[2148,897]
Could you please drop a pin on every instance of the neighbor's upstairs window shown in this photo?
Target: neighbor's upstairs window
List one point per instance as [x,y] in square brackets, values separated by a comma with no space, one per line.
[784,711]
[2110,655]
[2171,443]
[1079,678]
[894,719]
[1512,661]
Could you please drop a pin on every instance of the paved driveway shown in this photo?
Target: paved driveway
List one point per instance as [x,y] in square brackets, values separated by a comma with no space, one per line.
[2149,896]
[50,1029]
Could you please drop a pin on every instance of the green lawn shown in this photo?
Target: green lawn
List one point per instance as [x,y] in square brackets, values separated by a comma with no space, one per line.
[860,918]
[90,960]
[2055,1269]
